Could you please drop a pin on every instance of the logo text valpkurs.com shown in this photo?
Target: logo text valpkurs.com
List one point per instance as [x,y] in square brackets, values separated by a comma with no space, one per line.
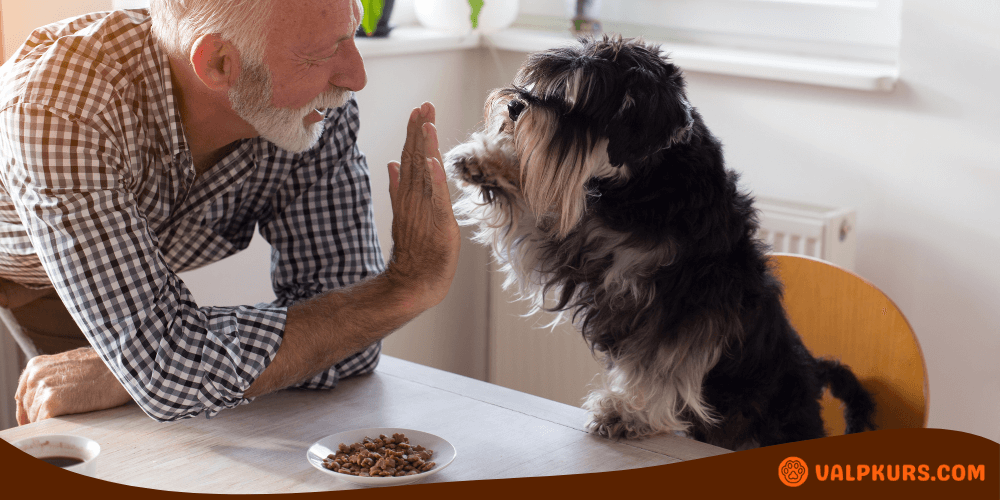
[900,472]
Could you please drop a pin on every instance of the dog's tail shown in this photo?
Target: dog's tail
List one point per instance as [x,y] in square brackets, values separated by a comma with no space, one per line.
[859,407]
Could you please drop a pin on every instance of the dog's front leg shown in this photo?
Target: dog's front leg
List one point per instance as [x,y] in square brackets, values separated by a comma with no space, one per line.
[633,404]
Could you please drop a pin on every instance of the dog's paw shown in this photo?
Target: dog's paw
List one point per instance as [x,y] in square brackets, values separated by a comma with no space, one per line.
[467,169]
[462,162]
[611,425]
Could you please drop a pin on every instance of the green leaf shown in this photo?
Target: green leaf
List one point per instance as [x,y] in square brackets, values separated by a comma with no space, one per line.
[373,12]
[477,6]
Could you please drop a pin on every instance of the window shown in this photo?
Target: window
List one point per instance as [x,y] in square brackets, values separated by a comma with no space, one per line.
[856,29]
[841,43]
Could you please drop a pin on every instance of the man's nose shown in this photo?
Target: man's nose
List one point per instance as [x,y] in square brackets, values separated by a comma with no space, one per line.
[351,74]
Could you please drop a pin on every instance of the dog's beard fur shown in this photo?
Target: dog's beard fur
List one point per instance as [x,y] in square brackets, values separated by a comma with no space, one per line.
[251,96]
[568,184]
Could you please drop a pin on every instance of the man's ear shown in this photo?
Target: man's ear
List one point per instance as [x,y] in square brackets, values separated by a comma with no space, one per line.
[216,62]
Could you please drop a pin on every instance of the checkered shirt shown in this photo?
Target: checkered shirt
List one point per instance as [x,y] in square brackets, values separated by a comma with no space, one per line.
[99,198]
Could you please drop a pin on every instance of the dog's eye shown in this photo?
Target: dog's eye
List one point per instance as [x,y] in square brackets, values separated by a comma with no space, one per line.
[515,108]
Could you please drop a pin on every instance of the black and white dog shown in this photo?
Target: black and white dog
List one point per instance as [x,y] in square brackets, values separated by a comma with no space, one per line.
[597,184]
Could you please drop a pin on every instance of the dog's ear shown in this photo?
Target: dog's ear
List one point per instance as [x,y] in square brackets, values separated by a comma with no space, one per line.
[654,113]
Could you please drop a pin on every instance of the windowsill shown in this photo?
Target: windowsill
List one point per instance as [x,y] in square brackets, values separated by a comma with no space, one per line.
[830,72]
[405,40]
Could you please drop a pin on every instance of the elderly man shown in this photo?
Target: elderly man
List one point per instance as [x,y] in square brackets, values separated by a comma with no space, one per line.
[137,145]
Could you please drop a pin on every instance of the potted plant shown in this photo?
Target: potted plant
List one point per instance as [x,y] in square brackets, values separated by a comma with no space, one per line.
[376,20]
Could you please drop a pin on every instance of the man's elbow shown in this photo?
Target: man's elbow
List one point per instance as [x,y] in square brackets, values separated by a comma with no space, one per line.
[209,399]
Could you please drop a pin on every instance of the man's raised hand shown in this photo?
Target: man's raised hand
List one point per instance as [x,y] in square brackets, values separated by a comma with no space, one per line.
[426,238]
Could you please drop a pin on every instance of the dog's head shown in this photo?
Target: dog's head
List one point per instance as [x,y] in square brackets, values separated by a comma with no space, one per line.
[593,110]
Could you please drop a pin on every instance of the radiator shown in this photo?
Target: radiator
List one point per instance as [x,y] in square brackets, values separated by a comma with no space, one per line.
[555,363]
[806,229]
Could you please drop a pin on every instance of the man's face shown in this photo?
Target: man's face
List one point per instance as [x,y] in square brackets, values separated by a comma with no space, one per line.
[311,64]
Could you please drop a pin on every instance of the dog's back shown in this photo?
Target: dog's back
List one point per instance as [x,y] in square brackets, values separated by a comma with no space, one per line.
[765,387]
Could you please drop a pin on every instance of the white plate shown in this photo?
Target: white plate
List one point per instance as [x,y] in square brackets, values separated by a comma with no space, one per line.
[444,453]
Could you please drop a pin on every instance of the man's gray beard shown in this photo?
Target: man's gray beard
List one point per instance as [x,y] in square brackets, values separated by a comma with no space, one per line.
[251,100]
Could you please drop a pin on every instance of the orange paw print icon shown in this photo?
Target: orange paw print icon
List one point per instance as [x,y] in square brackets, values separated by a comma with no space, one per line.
[793,471]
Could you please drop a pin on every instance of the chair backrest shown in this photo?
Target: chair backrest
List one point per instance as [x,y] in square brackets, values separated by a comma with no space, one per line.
[841,316]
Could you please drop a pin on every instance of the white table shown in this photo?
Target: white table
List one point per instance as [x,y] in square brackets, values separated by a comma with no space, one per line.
[260,447]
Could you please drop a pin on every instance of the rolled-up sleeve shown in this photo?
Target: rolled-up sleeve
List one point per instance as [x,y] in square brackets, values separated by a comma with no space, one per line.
[69,181]
[321,228]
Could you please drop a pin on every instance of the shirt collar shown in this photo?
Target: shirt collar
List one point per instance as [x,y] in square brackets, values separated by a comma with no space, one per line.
[165,114]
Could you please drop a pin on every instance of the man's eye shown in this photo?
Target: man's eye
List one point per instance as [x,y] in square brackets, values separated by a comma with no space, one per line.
[311,62]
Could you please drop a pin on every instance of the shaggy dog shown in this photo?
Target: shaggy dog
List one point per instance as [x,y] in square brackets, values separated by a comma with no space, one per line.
[597,185]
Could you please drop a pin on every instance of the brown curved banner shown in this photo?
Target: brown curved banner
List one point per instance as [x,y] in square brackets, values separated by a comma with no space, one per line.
[918,463]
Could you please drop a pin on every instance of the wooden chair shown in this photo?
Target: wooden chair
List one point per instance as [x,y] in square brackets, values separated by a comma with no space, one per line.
[840,315]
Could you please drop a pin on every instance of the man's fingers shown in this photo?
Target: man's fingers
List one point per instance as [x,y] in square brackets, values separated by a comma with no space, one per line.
[30,410]
[22,383]
[435,166]
[431,147]
[407,157]
[49,408]
[416,148]
[417,154]
[421,172]
[430,112]
[440,180]
[40,388]
[393,182]
[413,147]
[21,414]
[22,395]
[430,132]
[411,125]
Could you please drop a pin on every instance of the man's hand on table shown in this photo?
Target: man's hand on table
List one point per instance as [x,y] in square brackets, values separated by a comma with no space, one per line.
[75,381]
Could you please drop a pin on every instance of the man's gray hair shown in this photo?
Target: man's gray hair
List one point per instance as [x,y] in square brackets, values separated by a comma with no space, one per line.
[177,24]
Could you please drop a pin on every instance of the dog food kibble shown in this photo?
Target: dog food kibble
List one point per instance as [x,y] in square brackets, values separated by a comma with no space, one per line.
[380,457]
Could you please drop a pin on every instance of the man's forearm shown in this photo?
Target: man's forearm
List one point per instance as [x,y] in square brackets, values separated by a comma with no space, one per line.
[326,329]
